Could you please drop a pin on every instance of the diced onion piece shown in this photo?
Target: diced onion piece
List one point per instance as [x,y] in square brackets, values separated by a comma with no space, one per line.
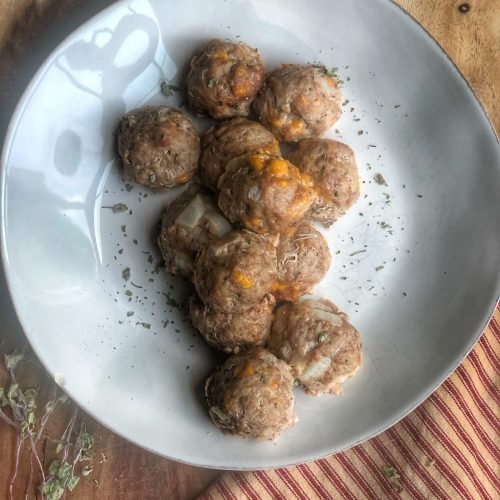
[328,316]
[322,312]
[219,223]
[191,215]
[197,236]
[219,415]
[183,262]
[219,248]
[254,193]
[316,304]
[315,370]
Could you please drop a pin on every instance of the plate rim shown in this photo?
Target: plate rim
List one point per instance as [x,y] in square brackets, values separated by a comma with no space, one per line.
[21,105]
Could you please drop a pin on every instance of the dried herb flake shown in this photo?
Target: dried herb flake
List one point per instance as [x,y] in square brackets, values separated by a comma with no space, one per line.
[379,179]
[126,274]
[118,208]
[168,89]
[390,473]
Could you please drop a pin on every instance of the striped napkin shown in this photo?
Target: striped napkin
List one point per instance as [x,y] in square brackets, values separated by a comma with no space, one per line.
[446,448]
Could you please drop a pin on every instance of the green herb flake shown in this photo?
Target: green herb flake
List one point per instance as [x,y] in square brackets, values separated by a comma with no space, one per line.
[64,470]
[85,441]
[129,293]
[13,393]
[168,89]
[130,313]
[328,71]
[129,187]
[124,228]
[126,274]
[146,325]
[3,399]
[54,467]
[53,490]
[322,337]
[73,482]
[356,253]
[390,473]
[86,470]
[12,360]
[119,208]
[379,268]
[212,82]
[379,179]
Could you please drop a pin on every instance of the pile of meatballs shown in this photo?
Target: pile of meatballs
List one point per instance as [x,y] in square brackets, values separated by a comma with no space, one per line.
[243,230]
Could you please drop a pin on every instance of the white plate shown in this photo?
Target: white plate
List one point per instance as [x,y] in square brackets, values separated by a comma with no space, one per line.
[418,316]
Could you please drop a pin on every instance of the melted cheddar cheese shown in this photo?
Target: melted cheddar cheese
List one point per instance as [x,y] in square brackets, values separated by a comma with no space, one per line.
[279,167]
[242,279]
[257,162]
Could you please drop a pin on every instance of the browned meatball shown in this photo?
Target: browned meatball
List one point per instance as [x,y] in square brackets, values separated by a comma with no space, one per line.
[232,331]
[159,147]
[303,260]
[230,139]
[235,273]
[332,166]
[251,395]
[189,222]
[224,79]
[317,341]
[298,102]
[264,193]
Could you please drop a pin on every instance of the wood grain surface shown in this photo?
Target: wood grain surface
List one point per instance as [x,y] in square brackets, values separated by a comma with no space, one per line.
[29,29]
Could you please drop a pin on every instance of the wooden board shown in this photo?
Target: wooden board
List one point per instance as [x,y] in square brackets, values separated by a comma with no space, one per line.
[29,30]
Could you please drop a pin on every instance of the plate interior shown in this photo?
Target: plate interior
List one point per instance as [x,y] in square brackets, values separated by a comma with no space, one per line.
[415,261]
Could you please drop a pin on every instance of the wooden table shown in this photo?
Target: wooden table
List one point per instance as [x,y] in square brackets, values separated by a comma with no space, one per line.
[29,29]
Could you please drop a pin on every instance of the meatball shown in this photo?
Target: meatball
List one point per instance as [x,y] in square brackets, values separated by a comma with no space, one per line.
[297,102]
[230,139]
[251,395]
[332,165]
[232,331]
[189,222]
[224,79]
[264,193]
[317,341]
[234,273]
[303,260]
[159,147]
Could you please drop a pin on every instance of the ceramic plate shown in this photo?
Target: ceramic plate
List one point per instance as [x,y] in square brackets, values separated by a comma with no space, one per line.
[415,264]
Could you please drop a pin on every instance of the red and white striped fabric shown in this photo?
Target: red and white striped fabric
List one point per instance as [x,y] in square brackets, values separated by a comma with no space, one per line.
[446,448]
